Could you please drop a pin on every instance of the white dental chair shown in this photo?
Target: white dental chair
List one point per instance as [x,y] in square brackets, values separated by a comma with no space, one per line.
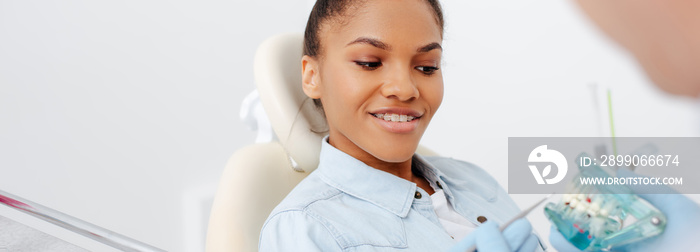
[257,177]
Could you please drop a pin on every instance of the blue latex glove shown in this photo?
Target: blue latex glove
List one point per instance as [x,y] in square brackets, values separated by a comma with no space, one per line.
[682,227]
[516,237]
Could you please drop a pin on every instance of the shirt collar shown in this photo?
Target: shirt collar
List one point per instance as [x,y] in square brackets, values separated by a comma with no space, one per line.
[383,189]
[433,175]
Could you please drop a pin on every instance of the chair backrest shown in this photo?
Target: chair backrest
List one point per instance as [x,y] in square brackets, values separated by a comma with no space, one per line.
[296,121]
[254,182]
[257,177]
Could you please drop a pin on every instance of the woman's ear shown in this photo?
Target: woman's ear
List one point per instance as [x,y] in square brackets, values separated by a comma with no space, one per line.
[310,77]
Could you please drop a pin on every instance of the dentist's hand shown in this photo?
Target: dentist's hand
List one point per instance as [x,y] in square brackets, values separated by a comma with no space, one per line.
[682,227]
[516,237]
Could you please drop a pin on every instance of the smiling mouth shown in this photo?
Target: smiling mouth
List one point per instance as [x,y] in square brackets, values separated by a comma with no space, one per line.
[395,117]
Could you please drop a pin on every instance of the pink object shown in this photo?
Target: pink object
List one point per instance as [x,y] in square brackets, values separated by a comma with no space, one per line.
[12,202]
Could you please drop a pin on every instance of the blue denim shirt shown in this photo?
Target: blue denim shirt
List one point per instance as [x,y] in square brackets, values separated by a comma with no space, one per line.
[345,205]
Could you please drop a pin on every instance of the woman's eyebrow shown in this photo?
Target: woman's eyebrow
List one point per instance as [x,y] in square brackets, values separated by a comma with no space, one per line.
[370,41]
[429,47]
[384,46]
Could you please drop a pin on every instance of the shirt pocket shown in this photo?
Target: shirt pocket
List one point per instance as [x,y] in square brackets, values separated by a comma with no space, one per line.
[357,223]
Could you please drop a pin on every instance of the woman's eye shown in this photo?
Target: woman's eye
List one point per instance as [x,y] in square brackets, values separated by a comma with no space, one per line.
[369,65]
[428,70]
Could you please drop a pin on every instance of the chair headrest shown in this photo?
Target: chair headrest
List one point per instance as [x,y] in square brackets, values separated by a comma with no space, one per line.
[296,121]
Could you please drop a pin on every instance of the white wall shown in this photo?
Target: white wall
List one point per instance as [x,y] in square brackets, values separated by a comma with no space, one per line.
[118,111]
[124,113]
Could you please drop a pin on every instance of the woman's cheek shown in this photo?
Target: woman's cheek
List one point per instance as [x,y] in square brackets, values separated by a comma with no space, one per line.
[433,94]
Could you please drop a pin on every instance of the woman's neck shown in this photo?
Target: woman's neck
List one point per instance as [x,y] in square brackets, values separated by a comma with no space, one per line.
[400,169]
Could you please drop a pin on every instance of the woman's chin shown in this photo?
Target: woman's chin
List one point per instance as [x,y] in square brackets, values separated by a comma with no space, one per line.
[394,156]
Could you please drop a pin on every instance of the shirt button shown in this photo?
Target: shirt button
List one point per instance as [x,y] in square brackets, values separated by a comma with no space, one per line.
[438,184]
[481,219]
[418,195]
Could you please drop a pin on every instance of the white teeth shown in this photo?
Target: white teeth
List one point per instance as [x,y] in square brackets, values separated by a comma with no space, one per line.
[593,205]
[573,203]
[403,118]
[581,197]
[567,197]
[395,117]
[594,208]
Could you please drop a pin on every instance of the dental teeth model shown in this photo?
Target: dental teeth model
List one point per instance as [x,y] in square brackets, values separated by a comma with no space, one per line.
[394,117]
[599,217]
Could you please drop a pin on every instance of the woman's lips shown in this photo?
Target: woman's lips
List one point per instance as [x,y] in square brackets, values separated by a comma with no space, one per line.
[397,110]
[394,117]
[396,123]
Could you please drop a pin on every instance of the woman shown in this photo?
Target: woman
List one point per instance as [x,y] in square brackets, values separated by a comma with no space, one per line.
[374,67]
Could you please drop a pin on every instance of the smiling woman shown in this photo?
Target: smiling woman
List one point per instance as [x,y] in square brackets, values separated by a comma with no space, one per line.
[374,67]
[378,58]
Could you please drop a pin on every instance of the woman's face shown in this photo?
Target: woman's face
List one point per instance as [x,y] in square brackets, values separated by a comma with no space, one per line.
[378,78]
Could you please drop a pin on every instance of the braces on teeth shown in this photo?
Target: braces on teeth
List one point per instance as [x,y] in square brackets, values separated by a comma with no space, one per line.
[394,117]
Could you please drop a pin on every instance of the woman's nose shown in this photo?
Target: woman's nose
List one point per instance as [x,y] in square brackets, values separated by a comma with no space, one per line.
[400,85]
